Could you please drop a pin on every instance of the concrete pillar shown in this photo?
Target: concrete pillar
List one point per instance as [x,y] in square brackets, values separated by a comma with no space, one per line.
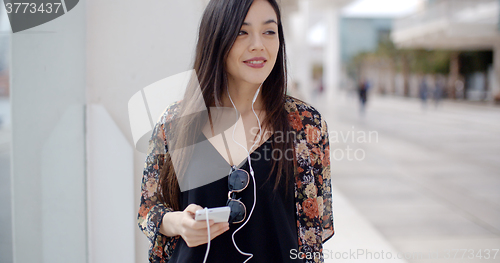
[110,183]
[331,63]
[48,141]
[498,17]
[406,75]
[300,64]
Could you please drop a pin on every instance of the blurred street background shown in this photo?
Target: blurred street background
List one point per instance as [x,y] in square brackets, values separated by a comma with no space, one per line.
[410,90]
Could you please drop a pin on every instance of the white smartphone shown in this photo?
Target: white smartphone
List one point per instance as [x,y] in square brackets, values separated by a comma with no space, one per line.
[218,214]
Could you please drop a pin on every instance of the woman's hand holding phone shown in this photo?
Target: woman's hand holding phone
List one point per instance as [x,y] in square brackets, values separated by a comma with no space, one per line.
[193,232]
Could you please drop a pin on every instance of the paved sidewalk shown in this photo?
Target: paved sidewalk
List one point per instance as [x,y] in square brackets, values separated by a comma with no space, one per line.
[355,237]
[426,180]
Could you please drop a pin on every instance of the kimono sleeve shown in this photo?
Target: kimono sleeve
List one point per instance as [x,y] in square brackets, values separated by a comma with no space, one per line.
[151,211]
[327,219]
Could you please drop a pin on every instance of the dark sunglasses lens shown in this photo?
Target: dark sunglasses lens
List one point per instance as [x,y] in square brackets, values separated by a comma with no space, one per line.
[237,211]
[238,180]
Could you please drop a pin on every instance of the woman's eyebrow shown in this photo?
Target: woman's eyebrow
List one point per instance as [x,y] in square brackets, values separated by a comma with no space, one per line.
[265,23]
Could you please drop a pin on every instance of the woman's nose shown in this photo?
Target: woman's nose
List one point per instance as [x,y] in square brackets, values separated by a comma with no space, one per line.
[256,43]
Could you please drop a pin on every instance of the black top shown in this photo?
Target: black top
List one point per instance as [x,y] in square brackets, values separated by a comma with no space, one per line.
[270,233]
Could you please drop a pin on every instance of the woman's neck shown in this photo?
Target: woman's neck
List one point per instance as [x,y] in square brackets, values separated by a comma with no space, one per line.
[242,96]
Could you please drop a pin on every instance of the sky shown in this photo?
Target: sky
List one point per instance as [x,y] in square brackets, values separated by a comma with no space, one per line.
[382,8]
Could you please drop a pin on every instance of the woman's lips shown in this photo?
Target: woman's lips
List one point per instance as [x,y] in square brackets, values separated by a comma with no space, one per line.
[255,63]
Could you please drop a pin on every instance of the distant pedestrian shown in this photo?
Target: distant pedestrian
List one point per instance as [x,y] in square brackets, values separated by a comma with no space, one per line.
[318,87]
[363,94]
[459,89]
[423,91]
[438,91]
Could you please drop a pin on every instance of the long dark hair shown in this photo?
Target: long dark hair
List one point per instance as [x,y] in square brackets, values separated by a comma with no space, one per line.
[219,27]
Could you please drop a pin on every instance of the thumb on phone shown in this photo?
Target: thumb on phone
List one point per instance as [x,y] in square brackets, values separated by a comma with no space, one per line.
[192,208]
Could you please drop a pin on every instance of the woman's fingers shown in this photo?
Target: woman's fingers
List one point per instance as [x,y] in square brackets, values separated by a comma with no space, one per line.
[214,229]
[199,237]
[194,232]
[192,208]
[201,224]
[221,228]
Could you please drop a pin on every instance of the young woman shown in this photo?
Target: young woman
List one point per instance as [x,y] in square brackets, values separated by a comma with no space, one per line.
[278,143]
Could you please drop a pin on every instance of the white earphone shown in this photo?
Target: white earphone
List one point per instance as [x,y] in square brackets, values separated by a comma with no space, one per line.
[251,173]
[251,169]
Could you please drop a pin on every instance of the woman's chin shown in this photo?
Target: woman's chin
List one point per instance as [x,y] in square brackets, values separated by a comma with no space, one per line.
[258,79]
[256,82]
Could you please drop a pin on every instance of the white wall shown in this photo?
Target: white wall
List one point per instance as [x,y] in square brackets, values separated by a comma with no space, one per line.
[130,45]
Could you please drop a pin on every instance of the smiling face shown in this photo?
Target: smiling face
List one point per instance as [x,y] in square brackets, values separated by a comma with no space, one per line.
[253,54]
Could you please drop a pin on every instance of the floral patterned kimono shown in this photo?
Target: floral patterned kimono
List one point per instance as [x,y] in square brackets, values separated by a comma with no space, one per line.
[313,193]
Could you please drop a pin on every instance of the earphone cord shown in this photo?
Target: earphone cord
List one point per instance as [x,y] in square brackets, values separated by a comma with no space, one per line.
[251,169]
[253,179]
[208,230]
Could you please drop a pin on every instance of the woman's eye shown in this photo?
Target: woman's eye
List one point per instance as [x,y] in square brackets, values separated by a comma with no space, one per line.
[270,32]
[241,33]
